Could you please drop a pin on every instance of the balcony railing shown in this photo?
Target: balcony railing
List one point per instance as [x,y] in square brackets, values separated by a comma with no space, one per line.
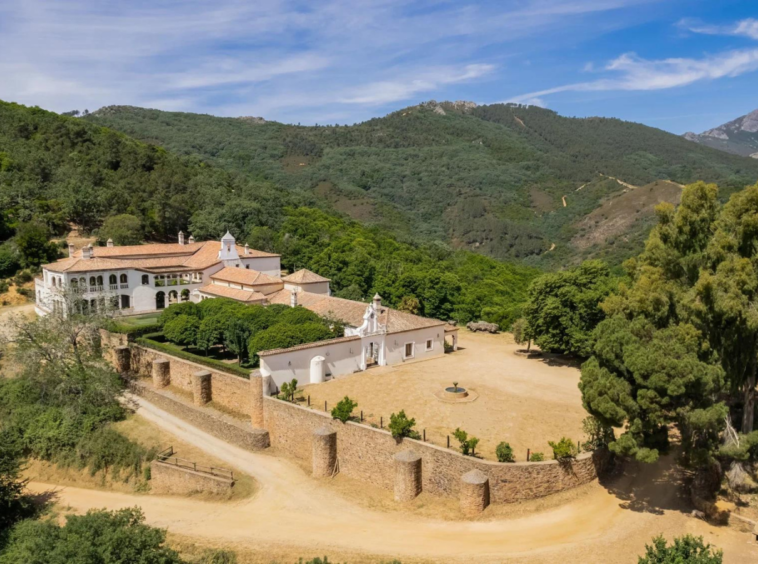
[124,286]
[114,286]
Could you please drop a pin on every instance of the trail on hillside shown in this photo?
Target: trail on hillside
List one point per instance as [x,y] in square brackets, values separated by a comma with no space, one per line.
[293,510]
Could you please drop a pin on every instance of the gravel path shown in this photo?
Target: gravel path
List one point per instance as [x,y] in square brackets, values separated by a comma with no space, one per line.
[293,512]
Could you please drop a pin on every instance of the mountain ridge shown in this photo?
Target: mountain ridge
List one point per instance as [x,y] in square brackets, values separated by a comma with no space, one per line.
[739,136]
[503,179]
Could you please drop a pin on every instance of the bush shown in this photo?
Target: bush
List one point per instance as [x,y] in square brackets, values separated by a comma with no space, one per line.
[467,444]
[9,263]
[182,330]
[175,310]
[215,556]
[685,550]
[22,277]
[400,426]
[563,449]
[282,336]
[3,286]
[288,389]
[504,453]
[344,409]
[26,292]
[102,537]
[537,457]
[598,435]
[133,330]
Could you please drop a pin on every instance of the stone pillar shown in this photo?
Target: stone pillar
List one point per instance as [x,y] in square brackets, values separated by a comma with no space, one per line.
[475,493]
[161,372]
[123,359]
[267,385]
[407,475]
[256,401]
[201,387]
[324,452]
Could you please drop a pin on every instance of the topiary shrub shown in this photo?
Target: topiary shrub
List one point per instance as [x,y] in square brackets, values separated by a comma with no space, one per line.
[537,457]
[182,330]
[344,409]
[467,444]
[564,449]
[504,453]
[400,426]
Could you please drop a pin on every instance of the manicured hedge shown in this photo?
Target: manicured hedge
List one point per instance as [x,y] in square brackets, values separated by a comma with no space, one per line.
[132,330]
[149,342]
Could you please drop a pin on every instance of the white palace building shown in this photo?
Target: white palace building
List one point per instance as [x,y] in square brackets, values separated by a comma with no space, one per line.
[148,278]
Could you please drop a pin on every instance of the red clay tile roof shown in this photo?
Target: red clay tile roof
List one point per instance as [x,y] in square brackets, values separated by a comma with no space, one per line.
[245,296]
[352,312]
[304,276]
[152,257]
[244,276]
[314,344]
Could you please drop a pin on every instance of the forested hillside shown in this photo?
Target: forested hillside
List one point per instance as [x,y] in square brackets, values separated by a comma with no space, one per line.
[60,172]
[507,181]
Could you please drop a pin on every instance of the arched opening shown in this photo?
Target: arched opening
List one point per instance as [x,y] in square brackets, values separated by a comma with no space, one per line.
[92,280]
[99,280]
[74,284]
[160,300]
[185,295]
[124,301]
[112,279]
[173,297]
[145,280]
[83,283]
[124,279]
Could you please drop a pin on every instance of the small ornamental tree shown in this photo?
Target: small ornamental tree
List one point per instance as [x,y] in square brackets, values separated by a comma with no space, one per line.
[521,335]
[182,330]
[504,453]
[344,409]
[400,426]
[685,550]
[467,444]
[598,435]
[536,457]
[563,449]
[288,389]
[210,332]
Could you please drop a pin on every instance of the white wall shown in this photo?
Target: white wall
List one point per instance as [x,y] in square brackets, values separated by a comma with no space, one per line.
[395,344]
[313,287]
[143,298]
[297,364]
[266,265]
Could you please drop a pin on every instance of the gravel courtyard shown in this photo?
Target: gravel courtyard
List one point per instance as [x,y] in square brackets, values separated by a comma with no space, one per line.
[524,401]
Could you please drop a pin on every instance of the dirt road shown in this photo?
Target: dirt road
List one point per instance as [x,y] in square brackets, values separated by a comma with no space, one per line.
[293,511]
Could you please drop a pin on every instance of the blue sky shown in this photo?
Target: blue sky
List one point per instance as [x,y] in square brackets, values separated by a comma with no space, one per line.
[677,65]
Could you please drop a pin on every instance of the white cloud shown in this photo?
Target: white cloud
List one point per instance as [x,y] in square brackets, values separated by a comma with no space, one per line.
[287,57]
[744,28]
[636,73]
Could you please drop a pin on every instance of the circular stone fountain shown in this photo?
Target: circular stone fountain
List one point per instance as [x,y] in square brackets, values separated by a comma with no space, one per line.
[456,394]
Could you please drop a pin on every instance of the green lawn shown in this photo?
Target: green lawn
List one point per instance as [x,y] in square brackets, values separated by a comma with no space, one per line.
[138,320]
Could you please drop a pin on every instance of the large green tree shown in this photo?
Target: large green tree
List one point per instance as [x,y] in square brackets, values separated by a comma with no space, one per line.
[564,307]
[123,229]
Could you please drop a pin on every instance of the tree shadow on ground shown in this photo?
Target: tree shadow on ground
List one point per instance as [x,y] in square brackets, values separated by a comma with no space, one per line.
[649,488]
[45,498]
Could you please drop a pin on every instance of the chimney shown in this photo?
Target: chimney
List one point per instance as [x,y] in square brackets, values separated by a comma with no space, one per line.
[87,252]
[181,238]
[110,243]
[377,302]
[191,240]
[293,298]
[71,250]
[247,249]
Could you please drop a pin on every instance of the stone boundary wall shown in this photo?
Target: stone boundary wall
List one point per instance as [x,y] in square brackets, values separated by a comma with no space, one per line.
[170,479]
[238,433]
[227,390]
[367,454]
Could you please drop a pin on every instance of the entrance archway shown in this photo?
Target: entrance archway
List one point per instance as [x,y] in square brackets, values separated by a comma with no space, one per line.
[160,300]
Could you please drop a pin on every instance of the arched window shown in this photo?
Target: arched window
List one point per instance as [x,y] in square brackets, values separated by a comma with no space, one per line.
[185,295]
[74,283]
[112,279]
[92,281]
[145,280]
[160,300]
[172,296]
[124,279]
[82,282]
[99,280]
[54,284]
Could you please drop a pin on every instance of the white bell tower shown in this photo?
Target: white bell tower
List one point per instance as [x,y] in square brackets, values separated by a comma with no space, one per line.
[228,252]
